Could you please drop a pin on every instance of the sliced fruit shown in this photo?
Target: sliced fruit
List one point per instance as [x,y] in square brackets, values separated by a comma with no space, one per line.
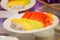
[26,1]
[49,19]
[24,24]
[27,14]
[37,15]
[51,16]
[46,19]
[38,25]
[34,24]
[41,17]
[33,15]
[47,22]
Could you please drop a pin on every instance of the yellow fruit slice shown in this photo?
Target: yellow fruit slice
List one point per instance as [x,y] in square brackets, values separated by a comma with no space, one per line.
[24,24]
[51,16]
[17,3]
[35,24]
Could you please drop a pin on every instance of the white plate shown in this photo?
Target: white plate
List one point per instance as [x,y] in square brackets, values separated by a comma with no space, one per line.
[7,25]
[7,38]
[4,5]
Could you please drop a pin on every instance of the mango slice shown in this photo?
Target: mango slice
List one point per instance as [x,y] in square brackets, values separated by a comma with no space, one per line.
[34,24]
[24,24]
[12,3]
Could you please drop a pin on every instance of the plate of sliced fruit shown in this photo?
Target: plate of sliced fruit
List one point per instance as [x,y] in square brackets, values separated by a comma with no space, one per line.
[17,5]
[30,22]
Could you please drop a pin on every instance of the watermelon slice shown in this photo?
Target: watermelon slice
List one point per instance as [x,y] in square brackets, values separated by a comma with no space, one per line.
[37,15]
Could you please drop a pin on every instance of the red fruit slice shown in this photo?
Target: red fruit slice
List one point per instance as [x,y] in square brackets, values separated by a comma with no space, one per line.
[41,17]
[37,15]
[47,21]
[44,19]
[27,14]
[34,16]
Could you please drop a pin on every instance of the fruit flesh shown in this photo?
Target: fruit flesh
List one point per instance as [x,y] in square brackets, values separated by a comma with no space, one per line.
[12,3]
[24,24]
[33,23]
[46,19]
[28,24]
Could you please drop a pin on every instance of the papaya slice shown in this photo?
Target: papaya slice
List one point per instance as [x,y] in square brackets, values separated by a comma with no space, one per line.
[27,14]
